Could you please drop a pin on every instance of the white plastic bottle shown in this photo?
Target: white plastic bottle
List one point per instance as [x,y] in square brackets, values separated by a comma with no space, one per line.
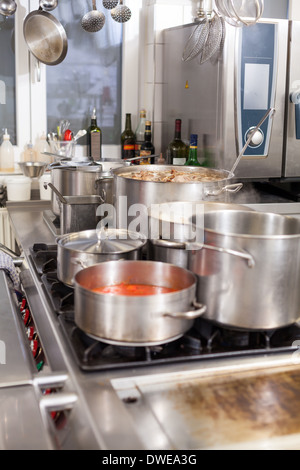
[7,158]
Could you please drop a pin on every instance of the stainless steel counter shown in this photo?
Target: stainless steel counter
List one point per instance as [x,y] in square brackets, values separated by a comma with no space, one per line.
[143,408]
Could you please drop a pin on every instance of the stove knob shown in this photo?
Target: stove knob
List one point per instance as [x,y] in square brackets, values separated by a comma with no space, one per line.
[31,333]
[26,317]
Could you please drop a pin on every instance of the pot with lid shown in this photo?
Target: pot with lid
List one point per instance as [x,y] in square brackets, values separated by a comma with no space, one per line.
[79,250]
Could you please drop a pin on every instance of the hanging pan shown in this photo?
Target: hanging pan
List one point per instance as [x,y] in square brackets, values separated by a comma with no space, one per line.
[45,36]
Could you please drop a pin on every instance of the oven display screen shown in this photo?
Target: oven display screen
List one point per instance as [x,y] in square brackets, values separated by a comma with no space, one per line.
[256,86]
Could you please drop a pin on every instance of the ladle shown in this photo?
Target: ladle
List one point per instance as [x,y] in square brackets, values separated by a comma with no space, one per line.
[7,7]
[48,5]
[251,134]
[58,194]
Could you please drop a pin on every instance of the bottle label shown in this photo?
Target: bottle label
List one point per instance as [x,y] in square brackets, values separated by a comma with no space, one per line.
[179,161]
[128,147]
[145,161]
[96,145]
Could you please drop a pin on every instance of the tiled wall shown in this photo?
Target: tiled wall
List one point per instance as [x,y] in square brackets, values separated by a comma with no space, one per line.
[157,16]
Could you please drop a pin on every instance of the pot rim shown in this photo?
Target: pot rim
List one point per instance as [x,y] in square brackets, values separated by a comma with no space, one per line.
[67,236]
[189,169]
[254,236]
[136,298]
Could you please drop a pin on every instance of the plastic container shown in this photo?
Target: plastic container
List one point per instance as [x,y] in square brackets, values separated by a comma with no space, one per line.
[42,146]
[18,189]
[29,154]
[45,194]
[7,158]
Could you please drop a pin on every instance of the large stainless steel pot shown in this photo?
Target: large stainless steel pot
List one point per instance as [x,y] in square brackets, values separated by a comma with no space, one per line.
[76,251]
[260,295]
[129,191]
[137,320]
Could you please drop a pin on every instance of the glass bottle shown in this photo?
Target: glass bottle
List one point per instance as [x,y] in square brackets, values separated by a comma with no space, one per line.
[128,139]
[140,132]
[94,138]
[177,150]
[193,151]
[147,147]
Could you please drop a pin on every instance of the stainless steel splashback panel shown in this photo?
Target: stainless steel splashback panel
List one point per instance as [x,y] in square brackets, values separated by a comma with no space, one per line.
[208,98]
[292,152]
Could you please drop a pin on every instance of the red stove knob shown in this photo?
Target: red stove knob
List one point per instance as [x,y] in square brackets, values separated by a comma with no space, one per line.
[23,304]
[26,317]
[35,348]
[31,333]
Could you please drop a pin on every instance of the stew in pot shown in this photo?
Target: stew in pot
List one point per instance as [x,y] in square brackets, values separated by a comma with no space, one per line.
[133,289]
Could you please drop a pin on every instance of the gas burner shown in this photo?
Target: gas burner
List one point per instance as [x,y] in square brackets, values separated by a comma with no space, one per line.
[45,257]
[60,295]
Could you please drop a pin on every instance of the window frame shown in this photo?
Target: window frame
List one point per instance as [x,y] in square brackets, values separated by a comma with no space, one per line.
[31,85]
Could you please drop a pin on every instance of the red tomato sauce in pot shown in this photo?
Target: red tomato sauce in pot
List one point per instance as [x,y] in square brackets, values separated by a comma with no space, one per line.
[133,289]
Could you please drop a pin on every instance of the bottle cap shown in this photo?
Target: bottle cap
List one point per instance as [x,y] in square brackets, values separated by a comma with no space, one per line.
[6,136]
[194,140]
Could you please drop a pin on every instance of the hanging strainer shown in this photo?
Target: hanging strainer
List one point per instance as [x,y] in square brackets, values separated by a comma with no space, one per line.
[213,40]
[196,41]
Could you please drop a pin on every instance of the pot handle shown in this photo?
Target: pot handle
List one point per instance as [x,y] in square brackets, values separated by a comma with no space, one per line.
[229,188]
[190,315]
[241,254]
[198,246]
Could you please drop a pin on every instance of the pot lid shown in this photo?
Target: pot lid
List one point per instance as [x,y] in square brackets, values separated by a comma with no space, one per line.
[103,241]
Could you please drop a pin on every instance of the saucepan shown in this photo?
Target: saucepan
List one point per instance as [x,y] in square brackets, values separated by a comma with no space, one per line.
[136,320]
[79,250]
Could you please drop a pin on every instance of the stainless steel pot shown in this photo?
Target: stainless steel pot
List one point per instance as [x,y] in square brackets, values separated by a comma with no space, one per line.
[170,228]
[76,181]
[83,180]
[260,295]
[129,191]
[136,320]
[76,251]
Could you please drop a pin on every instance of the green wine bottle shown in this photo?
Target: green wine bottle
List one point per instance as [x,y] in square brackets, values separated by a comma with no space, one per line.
[177,151]
[193,152]
[94,138]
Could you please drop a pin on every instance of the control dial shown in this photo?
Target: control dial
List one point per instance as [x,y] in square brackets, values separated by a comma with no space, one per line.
[257,137]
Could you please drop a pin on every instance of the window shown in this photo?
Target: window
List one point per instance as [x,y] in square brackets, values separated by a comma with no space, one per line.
[89,76]
[40,95]
[7,77]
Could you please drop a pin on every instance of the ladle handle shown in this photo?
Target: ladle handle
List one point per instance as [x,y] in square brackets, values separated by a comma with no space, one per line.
[58,194]
[271,110]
